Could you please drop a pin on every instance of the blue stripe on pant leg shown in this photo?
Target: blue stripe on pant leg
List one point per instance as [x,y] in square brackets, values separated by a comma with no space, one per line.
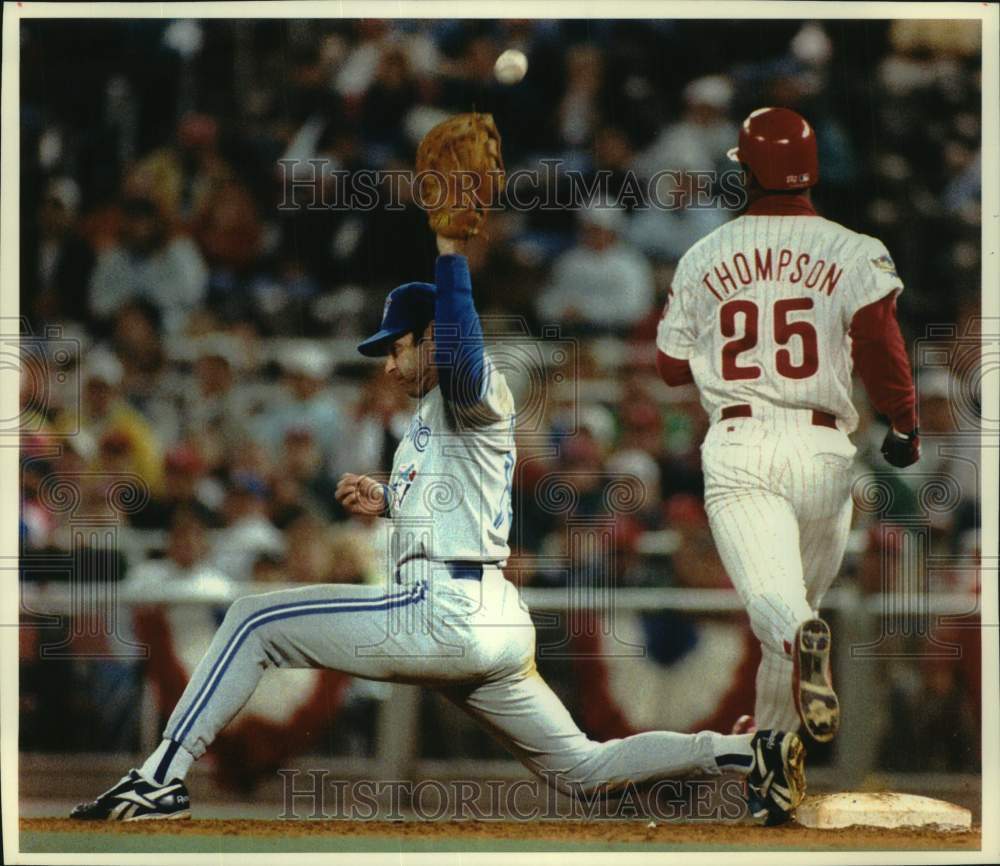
[284,611]
[287,610]
[286,606]
[160,774]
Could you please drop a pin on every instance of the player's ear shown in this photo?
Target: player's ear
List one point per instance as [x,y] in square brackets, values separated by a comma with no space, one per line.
[429,331]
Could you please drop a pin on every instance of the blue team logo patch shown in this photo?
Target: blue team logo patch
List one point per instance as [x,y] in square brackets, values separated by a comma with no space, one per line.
[885,263]
[419,433]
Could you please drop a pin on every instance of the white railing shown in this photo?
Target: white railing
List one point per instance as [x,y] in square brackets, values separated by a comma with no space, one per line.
[60,598]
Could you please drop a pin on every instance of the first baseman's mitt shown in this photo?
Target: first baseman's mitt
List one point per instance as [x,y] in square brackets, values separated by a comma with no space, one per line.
[461,173]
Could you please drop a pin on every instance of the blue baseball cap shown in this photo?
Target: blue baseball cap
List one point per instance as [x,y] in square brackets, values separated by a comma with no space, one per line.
[409,307]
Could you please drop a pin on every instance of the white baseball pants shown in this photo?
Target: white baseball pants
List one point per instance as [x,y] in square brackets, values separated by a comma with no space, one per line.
[472,639]
[777,493]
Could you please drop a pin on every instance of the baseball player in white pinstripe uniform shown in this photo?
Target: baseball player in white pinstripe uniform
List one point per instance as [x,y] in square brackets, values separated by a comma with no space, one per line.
[768,315]
[448,618]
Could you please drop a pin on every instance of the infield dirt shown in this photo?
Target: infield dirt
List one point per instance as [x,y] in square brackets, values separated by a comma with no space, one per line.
[481,835]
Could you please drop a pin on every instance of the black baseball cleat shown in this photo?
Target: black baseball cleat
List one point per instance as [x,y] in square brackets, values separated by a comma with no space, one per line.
[812,685]
[135,799]
[776,782]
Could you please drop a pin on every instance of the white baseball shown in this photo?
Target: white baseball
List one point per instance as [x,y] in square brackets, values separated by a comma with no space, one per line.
[511,66]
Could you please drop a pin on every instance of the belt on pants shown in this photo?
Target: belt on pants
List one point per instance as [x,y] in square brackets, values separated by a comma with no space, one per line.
[461,569]
[743,410]
[458,569]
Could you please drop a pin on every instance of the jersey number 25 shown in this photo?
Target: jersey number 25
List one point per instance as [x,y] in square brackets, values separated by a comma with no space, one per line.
[746,310]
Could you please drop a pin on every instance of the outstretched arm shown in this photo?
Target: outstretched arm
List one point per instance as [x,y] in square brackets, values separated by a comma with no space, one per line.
[458,333]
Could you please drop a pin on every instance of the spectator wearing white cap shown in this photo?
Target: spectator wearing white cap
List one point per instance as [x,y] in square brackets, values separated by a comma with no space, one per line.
[602,284]
[107,417]
[307,404]
[700,139]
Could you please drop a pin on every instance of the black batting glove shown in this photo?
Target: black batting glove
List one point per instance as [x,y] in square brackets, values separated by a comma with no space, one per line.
[901,449]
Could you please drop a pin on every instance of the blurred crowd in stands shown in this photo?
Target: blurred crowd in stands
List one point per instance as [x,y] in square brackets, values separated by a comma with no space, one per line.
[194,337]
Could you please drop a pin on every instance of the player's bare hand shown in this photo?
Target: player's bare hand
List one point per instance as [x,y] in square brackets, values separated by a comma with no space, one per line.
[452,246]
[360,494]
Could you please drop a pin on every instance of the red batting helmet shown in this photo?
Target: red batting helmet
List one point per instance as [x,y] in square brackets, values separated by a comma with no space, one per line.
[779,146]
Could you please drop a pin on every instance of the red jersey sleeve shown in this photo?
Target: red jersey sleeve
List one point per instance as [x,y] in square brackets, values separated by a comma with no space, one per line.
[673,371]
[882,362]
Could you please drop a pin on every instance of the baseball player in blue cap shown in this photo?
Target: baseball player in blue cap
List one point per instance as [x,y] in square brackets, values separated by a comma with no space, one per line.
[447,617]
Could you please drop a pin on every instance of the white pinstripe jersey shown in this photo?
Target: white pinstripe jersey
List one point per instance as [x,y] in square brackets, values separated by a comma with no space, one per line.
[761,308]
